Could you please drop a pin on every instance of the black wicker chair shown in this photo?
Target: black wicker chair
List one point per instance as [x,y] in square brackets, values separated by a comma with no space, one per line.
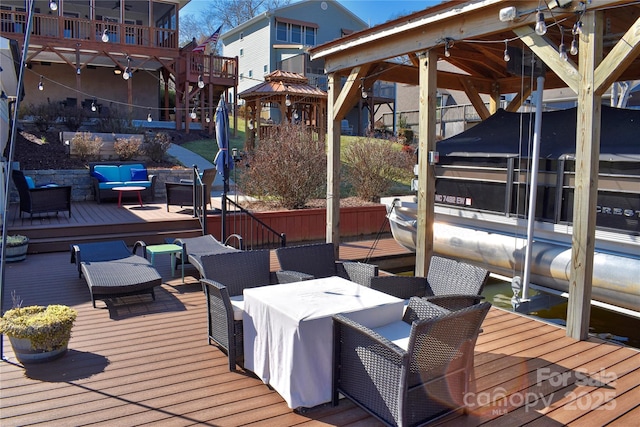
[181,193]
[318,260]
[41,199]
[424,379]
[450,283]
[224,277]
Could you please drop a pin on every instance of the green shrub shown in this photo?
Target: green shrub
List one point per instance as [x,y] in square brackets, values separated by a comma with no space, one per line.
[127,148]
[374,165]
[156,145]
[86,146]
[289,167]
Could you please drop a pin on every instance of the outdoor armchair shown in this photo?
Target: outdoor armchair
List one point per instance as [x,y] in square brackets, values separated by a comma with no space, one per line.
[224,278]
[194,248]
[405,373]
[318,260]
[450,283]
[36,200]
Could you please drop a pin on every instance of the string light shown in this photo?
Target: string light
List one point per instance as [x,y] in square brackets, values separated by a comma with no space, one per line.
[577,28]
[126,74]
[149,119]
[250,125]
[41,84]
[105,36]
[447,45]
[53,5]
[574,47]
[78,70]
[287,101]
[93,106]
[563,52]
[506,57]
[362,89]
[200,81]
[541,27]
[193,114]
[207,118]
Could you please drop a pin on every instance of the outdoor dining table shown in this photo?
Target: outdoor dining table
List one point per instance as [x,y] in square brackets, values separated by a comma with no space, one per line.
[288,332]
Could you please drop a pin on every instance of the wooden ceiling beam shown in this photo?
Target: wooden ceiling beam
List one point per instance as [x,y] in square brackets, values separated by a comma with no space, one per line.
[546,51]
[475,98]
[349,92]
[620,57]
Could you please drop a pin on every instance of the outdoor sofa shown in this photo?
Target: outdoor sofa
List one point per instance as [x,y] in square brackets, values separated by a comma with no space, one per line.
[107,175]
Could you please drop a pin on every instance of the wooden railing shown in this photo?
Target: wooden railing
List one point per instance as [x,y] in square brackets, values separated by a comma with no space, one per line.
[60,27]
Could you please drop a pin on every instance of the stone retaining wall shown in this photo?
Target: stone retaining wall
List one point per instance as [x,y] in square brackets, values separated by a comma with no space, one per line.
[80,182]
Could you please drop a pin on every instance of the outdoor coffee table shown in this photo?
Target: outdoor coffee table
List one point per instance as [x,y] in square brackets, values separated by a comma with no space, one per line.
[121,190]
[167,249]
[288,332]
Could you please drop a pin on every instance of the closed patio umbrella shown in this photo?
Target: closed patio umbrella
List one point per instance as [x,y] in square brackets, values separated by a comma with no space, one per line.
[223,160]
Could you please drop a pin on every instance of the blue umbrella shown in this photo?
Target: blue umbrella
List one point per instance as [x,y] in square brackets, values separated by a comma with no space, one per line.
[223,160]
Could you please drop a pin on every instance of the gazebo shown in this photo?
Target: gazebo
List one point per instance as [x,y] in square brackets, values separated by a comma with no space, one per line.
[288,97]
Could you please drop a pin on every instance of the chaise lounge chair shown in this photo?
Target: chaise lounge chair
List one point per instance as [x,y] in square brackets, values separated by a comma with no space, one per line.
[194,248]
[112,270]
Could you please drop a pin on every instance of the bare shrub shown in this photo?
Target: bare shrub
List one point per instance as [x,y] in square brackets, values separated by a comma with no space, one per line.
[156,145]
[374,165]
[43,115]
[113,120]
[73,116]
[289,167]
[86,146]
[127,148]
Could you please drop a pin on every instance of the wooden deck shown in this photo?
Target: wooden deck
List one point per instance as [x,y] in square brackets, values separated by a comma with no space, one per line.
[135,361]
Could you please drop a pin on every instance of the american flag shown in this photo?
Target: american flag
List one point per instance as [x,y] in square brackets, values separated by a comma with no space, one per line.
[212,39]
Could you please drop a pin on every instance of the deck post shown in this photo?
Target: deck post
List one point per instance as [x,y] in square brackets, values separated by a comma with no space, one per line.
[426,172]
[586,179]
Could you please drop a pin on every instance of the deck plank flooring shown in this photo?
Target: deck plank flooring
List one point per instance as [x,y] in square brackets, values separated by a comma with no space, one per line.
[134,361]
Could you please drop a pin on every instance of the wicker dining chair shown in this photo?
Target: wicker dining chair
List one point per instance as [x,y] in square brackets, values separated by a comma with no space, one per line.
[407,374]
[450,283]
[318,260]
[224,277]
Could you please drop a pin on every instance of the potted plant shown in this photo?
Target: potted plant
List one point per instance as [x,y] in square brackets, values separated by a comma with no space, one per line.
[37,333]
[16,248]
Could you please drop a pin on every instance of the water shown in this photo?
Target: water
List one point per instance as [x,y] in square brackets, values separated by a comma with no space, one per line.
[605,324]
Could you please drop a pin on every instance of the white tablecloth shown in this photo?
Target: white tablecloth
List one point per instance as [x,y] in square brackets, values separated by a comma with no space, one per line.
[288,332]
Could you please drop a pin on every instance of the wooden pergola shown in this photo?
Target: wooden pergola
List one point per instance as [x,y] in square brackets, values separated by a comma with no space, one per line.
[473,37]
[293,96]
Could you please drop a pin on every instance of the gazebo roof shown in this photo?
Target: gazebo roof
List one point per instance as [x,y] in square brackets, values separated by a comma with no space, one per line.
[283,83]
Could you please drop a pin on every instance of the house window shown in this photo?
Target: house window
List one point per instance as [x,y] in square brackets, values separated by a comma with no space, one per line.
[241,76]
[241,36]
[250,73]
[296,34]
[241,52]
[265,69]
[281,31]
[310,36]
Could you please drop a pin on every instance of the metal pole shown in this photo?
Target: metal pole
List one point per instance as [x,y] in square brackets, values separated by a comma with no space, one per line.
[9,167]
[535,160]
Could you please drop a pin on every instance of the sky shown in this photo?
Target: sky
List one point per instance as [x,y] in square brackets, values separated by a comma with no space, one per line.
[373,12]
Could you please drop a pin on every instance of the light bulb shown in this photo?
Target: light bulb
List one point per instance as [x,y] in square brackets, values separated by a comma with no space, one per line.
[207,118]
[541,27]
[200,81]
[287,101]
[40,84]
[577,28]
[126,75]
[193,114]
[105,36]
[563,52]
[53,5]
[506,56]
[574,47]
[78,71]
[93,107]
[295,115]
[149,119]
[446,51]
[250,125]
[365,95]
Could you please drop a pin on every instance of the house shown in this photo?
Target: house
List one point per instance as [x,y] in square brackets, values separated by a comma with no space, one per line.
[278,40]
[105,55]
